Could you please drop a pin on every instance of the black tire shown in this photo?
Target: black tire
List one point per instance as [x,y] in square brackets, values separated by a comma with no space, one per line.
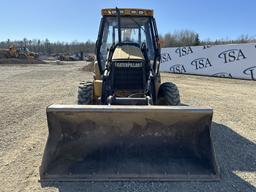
[85,93]
[168,94]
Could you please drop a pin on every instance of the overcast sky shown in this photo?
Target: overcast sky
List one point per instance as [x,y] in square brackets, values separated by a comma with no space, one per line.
[68,20]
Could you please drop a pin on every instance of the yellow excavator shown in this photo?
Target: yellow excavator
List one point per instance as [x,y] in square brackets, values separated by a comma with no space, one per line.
[128,125]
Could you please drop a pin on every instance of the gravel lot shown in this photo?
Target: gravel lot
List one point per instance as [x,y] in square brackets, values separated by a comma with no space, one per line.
[26,90]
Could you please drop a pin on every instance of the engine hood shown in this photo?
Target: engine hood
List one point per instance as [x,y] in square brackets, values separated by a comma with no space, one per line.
[127,52]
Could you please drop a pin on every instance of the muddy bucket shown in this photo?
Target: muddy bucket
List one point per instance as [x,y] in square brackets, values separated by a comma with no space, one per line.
[106,143]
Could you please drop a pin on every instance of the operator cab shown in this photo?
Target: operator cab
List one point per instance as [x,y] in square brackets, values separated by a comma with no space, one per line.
[137,27]
[128,55]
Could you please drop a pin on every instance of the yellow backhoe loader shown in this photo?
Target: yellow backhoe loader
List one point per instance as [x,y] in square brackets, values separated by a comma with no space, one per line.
[127,125]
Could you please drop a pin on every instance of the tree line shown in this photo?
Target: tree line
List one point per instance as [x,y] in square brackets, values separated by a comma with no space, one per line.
[47,47]
[191,38]
[176,39]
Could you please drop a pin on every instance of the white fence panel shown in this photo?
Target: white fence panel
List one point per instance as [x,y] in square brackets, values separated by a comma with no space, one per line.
[232,61]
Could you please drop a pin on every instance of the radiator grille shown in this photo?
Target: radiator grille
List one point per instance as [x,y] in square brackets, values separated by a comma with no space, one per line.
[128,78]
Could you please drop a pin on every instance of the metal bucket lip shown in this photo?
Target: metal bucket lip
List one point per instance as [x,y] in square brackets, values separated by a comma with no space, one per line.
[125,108]
[112,178]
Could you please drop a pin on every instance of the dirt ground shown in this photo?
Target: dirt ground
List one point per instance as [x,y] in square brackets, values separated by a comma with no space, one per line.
[20,61]
[26,90]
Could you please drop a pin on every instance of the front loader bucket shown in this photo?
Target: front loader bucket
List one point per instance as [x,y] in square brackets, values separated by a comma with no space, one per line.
[102,143]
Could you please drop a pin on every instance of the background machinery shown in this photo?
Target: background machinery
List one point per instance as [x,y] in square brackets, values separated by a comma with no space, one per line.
[14,52]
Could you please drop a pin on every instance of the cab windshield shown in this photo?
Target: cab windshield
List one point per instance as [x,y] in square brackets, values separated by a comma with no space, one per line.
[133,30]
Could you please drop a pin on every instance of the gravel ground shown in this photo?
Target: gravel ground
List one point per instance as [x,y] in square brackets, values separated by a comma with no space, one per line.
[26,90]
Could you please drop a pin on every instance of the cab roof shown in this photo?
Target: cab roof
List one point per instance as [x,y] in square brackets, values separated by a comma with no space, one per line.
[127,12]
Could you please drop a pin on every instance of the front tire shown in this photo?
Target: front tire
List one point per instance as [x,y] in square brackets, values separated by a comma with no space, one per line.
[168,94]
[85,93]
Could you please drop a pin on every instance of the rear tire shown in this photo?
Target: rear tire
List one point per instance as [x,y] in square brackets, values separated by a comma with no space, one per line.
[85,93]
[168,94]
